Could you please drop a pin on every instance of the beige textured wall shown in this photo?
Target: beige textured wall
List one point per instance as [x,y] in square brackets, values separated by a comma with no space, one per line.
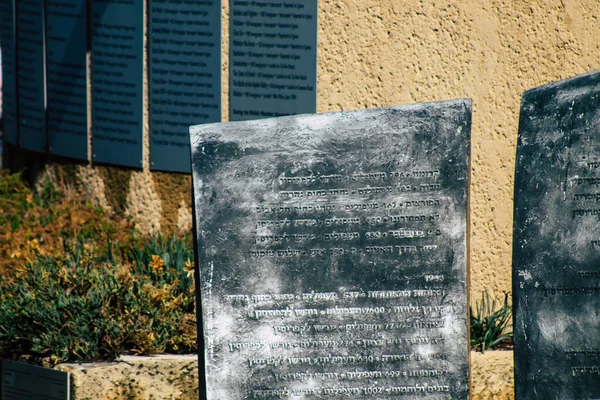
[492,375]
[388,52]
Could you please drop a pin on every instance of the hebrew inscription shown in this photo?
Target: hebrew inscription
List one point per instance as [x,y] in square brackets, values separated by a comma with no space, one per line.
[185,77]
[273,58]
[117,81]
[67,41]
[556,252]
[333,254]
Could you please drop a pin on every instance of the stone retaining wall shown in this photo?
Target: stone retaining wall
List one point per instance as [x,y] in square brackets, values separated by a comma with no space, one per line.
[168,377]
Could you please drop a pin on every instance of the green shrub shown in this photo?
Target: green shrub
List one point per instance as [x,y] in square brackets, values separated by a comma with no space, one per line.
[37,224]
[80,283]
[78,306]
[489,327]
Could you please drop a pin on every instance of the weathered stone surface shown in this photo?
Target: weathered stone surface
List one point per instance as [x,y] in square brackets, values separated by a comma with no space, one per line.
[332,253]
[137,378]
[175,377]
[556,251]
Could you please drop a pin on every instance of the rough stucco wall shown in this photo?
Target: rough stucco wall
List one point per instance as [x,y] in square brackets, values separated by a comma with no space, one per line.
[492,375]
[225,59]
[387,52]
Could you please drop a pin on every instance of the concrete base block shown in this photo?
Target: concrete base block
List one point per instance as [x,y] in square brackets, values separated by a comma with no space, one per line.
[160,377]
[176,378]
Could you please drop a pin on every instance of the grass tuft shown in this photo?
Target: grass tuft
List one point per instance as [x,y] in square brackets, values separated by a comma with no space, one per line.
[490,326]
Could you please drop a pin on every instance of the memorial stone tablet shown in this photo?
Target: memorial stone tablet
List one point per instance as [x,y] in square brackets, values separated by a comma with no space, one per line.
[117,82]
[66,42]
[23,382]
[185,77]
[556,250]
[332,254]
[273,58]
[31,75]
[9,71]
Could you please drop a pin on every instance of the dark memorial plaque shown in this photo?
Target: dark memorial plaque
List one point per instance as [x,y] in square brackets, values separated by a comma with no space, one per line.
[184,77]
[27,382]
[66,43]
[31,75]
[9,72]
[117,82]
[332,254]
[556,250]
[273,58]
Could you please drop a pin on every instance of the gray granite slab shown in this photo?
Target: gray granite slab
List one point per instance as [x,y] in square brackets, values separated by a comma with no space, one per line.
[28,382]
[332,254]
[556,249]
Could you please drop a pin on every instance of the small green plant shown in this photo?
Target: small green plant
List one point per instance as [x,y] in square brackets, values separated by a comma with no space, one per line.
[79,306]
[489,327]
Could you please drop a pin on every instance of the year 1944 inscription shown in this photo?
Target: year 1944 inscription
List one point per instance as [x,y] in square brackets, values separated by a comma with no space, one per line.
[332,254]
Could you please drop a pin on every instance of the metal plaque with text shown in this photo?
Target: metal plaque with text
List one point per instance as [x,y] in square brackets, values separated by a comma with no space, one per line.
[272,58]
[184,77]
[28,382]
[67,43]
[9,72]
[117,82]
[31,75]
